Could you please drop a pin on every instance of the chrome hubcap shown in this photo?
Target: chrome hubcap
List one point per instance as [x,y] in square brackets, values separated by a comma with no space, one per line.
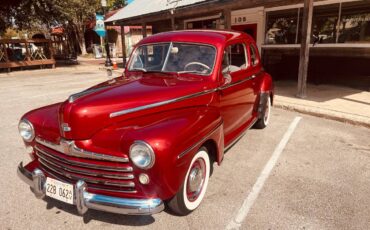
[196,179]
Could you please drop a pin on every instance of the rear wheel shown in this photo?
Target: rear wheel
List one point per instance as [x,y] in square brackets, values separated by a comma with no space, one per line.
[191,194]
[263,121]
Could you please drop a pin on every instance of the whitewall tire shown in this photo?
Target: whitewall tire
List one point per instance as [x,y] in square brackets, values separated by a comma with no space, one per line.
[192,192]
[263,121]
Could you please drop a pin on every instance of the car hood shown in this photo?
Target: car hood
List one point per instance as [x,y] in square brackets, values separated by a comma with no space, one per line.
[86,113]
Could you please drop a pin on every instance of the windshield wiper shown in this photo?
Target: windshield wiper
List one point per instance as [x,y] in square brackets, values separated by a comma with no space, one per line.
[163,72]
[190,71]
[139,69]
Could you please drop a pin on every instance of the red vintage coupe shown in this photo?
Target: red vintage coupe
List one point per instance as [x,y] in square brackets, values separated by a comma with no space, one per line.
[151,136]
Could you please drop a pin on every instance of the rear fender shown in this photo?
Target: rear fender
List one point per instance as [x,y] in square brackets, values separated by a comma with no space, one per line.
[267,86]
[266,89]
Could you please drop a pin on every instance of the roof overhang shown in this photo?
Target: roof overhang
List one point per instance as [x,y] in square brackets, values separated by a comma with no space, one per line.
[146,7]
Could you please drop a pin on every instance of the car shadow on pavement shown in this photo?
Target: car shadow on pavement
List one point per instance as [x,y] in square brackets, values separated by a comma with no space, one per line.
[112,218]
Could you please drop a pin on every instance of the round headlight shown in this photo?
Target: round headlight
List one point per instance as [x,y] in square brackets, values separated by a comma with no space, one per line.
[142,154]
[26,130]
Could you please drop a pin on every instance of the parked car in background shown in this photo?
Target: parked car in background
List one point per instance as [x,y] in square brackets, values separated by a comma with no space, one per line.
[18,46]
[152,135]
[18,51]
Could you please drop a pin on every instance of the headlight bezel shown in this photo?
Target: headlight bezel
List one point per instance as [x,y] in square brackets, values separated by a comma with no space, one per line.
[150,153]
[32,130]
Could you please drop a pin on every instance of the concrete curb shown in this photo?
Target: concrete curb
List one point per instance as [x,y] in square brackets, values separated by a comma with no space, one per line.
[327,114]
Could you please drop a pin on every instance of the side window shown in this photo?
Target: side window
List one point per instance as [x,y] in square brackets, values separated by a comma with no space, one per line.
[235,58]
[254,55]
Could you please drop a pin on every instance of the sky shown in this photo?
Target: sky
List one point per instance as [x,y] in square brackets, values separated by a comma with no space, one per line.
[129,1]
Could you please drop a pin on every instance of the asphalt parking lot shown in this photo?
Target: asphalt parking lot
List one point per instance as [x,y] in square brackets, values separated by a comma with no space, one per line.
[314,175]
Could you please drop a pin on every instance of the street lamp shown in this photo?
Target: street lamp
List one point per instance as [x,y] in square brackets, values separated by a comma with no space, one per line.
[108,62]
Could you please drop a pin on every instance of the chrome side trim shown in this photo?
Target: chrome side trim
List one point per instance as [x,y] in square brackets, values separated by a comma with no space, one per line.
[85,200]
[69,148]
[200,141]
[83,164]
[150,106]
[75,96]
[240,136]
[136,109]
[239,82]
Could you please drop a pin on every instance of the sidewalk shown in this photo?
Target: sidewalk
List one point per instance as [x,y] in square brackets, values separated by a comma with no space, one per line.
[328,101]
[85,64]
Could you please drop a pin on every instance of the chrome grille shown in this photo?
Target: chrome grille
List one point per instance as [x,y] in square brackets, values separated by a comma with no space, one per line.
[99,175]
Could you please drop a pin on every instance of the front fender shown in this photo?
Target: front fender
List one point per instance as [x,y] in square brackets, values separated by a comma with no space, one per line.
[175,137]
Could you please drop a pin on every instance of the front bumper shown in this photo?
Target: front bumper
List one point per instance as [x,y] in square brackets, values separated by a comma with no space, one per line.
[85,200]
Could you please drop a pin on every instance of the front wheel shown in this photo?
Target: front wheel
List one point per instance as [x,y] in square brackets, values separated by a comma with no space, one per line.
[191,193]
[263,121]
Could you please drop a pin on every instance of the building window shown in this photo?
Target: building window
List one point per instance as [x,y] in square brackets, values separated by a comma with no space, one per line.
[202,24]
[324,24]
[282,26]
[354,25]
[347,22]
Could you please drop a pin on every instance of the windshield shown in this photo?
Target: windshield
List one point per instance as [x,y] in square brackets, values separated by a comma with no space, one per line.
[174,57]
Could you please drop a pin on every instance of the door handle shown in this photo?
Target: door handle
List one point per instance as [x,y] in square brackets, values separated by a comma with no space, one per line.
[253,77]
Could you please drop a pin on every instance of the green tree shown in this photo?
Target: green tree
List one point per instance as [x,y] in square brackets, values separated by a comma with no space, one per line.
[78,13]
[116,4]
[28,14]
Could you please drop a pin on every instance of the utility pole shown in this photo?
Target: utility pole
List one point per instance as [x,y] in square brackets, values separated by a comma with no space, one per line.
[305,48]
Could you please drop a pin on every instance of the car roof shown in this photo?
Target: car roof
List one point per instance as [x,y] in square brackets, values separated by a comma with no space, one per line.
[212,37]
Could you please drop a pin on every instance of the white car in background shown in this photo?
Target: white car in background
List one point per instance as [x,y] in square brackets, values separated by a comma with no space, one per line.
[31,47]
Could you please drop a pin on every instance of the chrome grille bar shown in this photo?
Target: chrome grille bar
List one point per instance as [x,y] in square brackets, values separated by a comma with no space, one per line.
[60,166]
[91,186]
[69,148]
[87,179]
[83,164]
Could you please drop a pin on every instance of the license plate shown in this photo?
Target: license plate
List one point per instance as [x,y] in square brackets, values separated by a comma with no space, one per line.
[59,190]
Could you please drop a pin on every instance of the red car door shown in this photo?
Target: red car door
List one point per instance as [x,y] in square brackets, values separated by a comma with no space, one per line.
[237,94]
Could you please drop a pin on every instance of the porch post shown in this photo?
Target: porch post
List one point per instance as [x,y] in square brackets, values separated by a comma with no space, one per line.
[123,46]
[227,19]
[305,49]
[144,29]
[173,26]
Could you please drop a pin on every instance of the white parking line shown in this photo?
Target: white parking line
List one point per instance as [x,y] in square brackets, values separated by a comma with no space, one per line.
[249,201]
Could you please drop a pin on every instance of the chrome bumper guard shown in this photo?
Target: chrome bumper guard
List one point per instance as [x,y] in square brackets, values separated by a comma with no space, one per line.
[85,200]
